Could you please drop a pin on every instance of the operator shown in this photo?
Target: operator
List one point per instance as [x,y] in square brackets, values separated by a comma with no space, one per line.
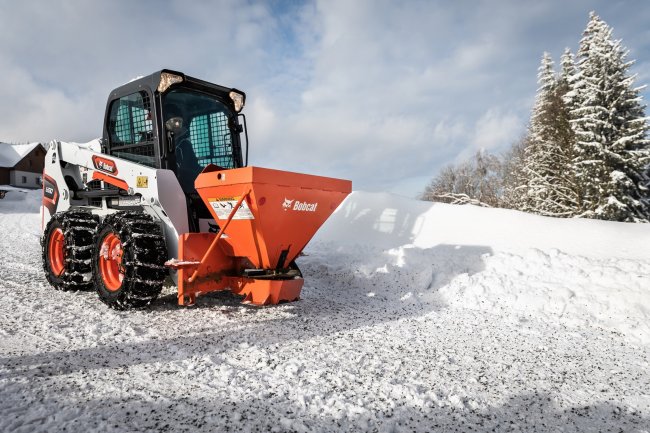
[187,165]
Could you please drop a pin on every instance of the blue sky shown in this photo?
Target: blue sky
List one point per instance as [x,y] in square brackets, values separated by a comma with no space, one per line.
[380,92]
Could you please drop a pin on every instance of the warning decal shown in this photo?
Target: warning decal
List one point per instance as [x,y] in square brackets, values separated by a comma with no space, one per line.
[224,206]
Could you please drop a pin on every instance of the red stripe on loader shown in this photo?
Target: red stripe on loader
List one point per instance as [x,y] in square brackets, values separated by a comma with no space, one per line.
[110,179]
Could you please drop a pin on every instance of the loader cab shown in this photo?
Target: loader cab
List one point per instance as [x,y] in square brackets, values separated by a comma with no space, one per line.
[172,121]
[137,124]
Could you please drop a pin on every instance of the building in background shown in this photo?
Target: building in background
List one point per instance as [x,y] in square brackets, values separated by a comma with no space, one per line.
[21,165]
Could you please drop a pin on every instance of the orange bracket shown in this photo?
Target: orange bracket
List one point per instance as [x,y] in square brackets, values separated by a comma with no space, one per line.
[214,243]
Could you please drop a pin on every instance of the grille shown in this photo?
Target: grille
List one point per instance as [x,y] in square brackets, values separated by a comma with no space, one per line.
[211,140]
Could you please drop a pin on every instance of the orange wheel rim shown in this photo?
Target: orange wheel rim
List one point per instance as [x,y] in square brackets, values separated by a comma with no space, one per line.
[55,252]
[110,262]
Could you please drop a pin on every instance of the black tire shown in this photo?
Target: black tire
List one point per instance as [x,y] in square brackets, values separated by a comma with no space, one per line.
[143,255]
[78,229]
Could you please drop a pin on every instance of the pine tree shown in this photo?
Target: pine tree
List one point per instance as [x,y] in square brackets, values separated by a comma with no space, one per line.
[611,150]
[567,79]
[550,190]
[568,75]
[535,169]
[566,197]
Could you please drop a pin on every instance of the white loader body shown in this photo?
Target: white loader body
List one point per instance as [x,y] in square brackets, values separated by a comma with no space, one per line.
[70,167]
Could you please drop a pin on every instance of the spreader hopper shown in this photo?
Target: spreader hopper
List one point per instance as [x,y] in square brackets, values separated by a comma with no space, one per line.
[266,218]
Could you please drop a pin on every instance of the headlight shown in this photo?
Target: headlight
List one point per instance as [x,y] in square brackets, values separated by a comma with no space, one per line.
[167,79]
[238,99]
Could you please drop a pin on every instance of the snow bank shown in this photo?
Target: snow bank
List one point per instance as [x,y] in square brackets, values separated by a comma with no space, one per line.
[579,272]
[378,245]
[390,221]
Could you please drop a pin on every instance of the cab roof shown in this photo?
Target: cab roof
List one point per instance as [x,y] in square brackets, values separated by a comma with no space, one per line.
[150,83]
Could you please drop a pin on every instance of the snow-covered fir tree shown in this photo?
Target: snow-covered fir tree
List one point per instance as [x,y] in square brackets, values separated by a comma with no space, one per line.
[611,150]
[566,81]
[535,169]
[549,184]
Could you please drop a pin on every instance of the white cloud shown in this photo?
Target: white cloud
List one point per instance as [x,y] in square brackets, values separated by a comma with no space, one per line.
[36,111]
[494,129]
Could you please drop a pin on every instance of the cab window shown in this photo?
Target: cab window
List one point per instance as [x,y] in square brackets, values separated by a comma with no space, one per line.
[131,129]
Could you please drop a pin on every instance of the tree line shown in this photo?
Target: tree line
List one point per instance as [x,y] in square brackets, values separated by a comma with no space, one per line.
[586,151]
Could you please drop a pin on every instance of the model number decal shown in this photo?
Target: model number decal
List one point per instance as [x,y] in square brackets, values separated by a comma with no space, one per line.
[50,194]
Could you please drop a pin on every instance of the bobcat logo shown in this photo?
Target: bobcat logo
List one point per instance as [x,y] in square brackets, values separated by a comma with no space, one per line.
[287,204]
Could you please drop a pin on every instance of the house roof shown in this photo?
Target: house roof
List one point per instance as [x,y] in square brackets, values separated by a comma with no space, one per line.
[11,154]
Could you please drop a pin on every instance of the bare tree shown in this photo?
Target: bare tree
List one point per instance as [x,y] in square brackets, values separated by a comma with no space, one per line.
[513,177]
[476,181]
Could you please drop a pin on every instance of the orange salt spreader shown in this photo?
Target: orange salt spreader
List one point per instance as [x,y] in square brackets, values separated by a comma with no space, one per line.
[266,218]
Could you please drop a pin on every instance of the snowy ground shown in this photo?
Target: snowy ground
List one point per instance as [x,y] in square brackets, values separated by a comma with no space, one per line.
[414,317]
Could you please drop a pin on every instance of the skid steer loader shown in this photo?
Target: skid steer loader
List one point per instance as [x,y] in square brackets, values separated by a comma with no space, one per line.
[167,193]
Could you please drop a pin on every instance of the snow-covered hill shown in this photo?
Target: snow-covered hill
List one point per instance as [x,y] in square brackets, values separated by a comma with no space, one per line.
[414,317]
